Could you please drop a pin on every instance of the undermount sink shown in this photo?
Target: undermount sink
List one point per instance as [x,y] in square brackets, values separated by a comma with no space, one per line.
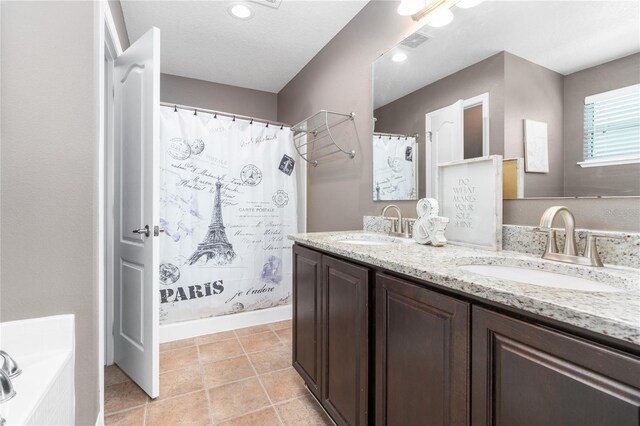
[366,242]
[540,278]
[371,239]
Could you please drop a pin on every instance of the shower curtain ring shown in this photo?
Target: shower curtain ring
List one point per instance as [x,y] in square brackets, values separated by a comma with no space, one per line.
[175,108]
[267,124]
[195,112]
[281,126]
[234,118]
[251,122]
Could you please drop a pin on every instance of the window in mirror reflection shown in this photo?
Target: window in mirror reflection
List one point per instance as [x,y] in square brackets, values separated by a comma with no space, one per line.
[612,127]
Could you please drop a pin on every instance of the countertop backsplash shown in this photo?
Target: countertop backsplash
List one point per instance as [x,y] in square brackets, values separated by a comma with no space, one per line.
[624,250]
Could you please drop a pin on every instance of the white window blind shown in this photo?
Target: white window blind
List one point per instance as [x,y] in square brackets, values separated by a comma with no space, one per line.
[612,127]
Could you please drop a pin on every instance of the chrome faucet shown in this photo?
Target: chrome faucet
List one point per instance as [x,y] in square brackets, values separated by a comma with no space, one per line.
[546,224]
[9,365]
[396,223]
[590,256]
[399,227]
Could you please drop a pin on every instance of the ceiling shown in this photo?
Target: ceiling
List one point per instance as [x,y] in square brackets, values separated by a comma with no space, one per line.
[201,40]
[564,36]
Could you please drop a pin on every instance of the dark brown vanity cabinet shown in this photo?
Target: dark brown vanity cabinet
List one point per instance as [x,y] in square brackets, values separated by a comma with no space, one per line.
[331,333]
[307,324]
[345,341]
[422,355]
[523,374]
[393,352]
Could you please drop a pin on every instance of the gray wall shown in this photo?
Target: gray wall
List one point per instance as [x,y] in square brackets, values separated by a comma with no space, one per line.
[49,113]
[339,78]
[533,92]
[407,114]
[610,180]
[219,97]
[608,213]
[473,132]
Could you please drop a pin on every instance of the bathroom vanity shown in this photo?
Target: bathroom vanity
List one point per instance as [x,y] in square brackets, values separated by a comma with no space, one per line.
[394,333]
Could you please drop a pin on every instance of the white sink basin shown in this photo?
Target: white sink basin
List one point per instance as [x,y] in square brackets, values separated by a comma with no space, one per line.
[366,242]
[540,278]
[363,239]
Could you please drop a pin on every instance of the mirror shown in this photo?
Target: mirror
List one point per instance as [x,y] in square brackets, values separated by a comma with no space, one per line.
[553,87]
[395,167]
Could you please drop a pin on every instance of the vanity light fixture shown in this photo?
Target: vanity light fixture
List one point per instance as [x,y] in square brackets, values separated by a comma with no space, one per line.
[467,4]
[241,11]
[410,7]
[399,57]
[441,18]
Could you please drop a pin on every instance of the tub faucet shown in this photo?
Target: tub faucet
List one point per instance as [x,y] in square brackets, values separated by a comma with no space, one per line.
[590,256]
[9,365]
[396,223]
[6,387]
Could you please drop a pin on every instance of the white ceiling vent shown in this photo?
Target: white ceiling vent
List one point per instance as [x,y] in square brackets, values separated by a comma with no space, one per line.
[414,40]
[270,3]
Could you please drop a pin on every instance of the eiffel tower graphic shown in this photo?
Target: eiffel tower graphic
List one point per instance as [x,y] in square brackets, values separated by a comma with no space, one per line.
[215,245]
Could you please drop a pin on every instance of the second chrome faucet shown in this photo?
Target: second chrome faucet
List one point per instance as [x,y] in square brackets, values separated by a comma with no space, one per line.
[590,257]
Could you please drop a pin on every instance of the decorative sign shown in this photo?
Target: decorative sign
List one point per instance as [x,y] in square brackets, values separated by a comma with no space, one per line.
[470,195]
[536,147]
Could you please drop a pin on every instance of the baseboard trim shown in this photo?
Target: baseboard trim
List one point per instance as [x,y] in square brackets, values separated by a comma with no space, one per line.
[187,329]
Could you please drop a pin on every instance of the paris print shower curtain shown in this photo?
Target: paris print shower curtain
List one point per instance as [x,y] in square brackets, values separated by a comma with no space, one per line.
[228,199]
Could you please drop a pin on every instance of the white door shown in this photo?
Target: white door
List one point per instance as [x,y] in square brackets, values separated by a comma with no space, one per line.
[136,211]
[445,134]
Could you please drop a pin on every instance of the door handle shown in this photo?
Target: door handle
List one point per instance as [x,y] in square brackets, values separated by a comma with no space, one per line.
[142,231]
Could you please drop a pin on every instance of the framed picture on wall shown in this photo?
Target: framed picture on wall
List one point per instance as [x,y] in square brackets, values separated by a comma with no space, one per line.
[536,147]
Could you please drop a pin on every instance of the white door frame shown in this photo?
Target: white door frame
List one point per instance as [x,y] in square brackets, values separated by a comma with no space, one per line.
[108,48]
[113,49]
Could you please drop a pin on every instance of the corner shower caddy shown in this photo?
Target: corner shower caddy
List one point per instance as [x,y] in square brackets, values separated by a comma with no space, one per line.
[314,135]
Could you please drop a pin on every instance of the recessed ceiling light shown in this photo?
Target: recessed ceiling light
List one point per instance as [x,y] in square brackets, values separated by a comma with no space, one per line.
[466,4]
[241,11]
[410,7]
[441,18]
[399,57]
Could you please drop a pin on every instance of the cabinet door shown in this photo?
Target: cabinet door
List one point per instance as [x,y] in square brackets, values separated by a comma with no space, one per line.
[422,355]
[345,304]
[528,375]
[307,281]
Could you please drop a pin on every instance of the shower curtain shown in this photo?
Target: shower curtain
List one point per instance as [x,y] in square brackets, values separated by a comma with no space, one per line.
[228,199]
[394,168]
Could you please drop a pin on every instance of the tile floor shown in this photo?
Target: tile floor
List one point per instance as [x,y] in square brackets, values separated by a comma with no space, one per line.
[239,377]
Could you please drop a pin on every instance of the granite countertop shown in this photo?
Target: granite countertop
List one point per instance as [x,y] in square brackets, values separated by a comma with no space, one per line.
[612,314]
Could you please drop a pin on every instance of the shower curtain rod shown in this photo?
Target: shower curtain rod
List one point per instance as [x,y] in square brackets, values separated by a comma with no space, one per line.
[225,114]
[396,135]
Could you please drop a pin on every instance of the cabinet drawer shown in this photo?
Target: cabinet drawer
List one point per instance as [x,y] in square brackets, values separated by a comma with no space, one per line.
[524,374]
